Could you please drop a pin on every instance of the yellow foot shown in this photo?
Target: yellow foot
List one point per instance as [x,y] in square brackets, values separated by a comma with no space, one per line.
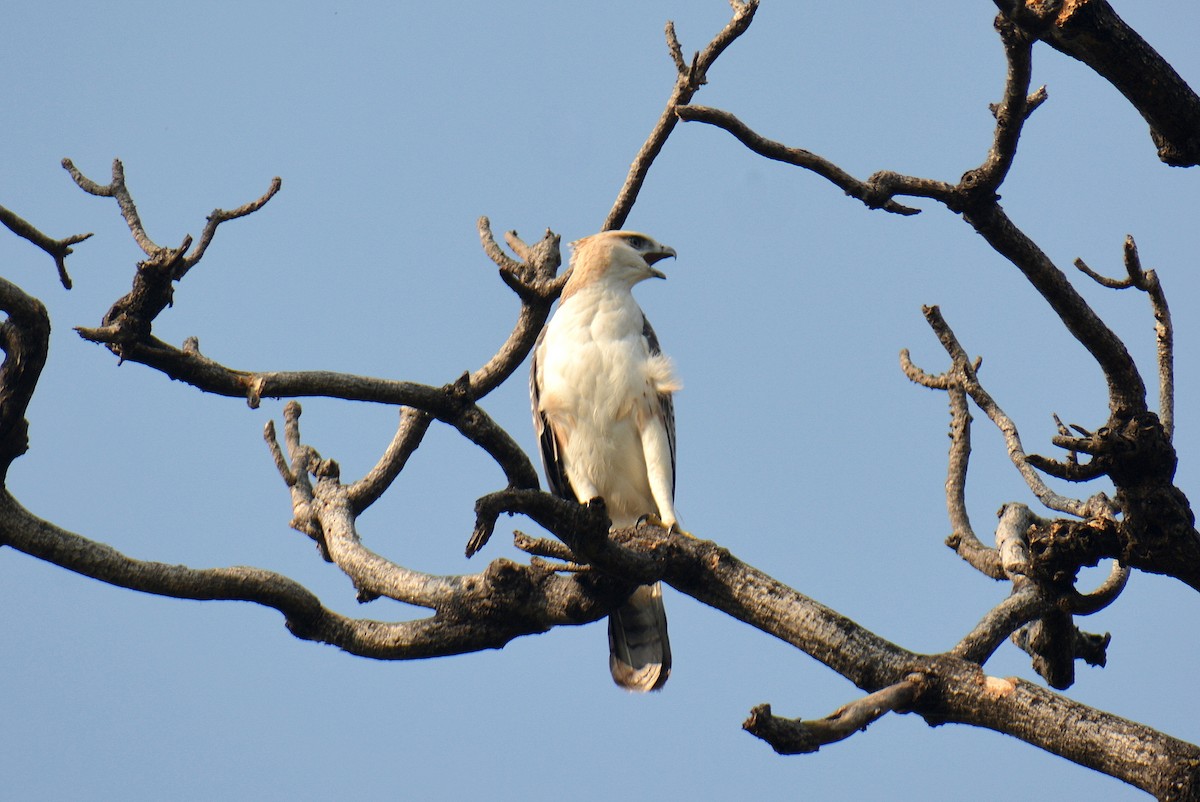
[672,528]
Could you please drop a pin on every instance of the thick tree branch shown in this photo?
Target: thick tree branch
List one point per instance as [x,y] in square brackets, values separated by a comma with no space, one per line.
[1090,31]
[1126,390]
[25,338]
[484,611]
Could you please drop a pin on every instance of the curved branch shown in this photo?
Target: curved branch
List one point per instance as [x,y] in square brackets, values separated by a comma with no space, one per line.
[962,536]
[1011,113]
[449,404]
[410,433]
[1024,605]
[1103,596]
[25,338]
[974,196]
[794,737]
[794,156]
[1126,390]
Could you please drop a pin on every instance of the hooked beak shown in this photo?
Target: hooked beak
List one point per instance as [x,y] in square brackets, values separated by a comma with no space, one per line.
[658,256]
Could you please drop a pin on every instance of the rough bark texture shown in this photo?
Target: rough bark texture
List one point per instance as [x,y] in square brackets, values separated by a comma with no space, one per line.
[1091,31]
[1147,525]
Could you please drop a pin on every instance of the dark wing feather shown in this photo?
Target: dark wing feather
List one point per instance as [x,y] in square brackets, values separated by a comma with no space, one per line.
[665,402]
[548,445]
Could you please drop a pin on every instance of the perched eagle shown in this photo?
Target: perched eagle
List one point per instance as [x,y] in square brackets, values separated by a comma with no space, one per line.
[601,394]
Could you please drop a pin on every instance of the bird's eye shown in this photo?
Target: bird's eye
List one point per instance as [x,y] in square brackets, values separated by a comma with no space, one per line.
[637,243]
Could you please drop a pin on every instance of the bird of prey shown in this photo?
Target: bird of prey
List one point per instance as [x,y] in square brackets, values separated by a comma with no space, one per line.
[601,395]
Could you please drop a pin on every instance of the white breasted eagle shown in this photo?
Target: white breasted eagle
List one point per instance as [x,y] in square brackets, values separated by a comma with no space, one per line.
[601,394]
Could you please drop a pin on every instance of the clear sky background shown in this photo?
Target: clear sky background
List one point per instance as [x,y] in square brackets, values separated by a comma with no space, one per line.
[803,448]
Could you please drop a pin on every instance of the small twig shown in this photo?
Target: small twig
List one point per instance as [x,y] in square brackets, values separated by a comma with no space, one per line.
[940,381]
[59,249]
[688,81]
[536,282]
[674,48]
[1164,331]
[277,455]
[559,567]
[793,736]
[506,263]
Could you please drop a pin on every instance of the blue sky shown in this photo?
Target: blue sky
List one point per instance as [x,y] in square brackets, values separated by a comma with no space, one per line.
[802,447]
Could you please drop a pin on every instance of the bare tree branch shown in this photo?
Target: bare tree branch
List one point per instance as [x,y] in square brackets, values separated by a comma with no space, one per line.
[688,81]
[59,249]
[1090,31]
[962,536]
[116,190]
[782,153]
[793,737]
[127,329]
[1041,558]
[536,282]
[1012,438]
[974,196]
[219,216]
[366,491]
[1024,605]
[25,338]
[1147,281]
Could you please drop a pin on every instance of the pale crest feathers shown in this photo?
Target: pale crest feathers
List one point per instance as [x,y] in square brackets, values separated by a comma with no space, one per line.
[620,257]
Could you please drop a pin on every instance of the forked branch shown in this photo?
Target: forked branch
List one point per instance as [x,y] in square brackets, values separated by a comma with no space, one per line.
[1090,31]
[58,249]
[689,79]
[1147,281]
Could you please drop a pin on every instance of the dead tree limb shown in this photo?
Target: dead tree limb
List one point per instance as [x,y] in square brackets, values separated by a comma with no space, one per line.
[688,81]
[1090,31]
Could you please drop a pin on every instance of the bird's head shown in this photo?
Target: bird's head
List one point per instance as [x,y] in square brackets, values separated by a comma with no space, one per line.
[623,257]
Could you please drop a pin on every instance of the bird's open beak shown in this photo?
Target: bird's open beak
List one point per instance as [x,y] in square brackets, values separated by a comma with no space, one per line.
[658,256]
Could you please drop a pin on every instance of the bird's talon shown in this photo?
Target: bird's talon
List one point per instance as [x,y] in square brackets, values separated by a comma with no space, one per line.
[673,528]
